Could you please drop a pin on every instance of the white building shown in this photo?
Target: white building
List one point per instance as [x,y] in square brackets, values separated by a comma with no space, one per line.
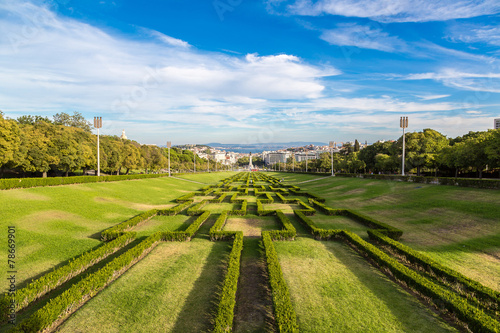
[309,155]
[273,157]
[496,124]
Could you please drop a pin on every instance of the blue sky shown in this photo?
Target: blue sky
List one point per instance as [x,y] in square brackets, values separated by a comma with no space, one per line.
[241,71]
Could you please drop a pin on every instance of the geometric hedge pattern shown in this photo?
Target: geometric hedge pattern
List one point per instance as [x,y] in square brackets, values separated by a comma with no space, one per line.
[476,306]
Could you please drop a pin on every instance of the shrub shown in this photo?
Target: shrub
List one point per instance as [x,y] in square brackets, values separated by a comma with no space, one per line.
[175,210]
[186,197]
[225,309]
[61,306]
[474,317]
[39,287]
[467,286]
[119,229]
[318,233]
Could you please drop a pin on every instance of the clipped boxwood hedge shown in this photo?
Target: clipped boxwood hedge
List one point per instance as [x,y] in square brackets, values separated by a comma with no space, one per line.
[225,309]
[9,183]
[284,314]
[119,229]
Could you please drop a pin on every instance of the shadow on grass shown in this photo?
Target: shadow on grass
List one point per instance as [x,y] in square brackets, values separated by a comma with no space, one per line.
[41,302]
[197,313]
[397,301]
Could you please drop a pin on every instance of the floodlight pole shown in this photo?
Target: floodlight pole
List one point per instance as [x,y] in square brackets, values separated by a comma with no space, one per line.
[307,155]
[169,144]
[403,123]
[98,124]
[331,151]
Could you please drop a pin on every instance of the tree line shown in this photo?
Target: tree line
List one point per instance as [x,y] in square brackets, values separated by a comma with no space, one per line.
[34,145]
[427,152]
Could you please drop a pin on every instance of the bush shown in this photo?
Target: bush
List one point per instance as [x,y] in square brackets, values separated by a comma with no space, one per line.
[215,232]
[175,210]
[186,197]
[61,306]
[196,209]
[225,309]
[474,317]
[54,181]
[318,233]
[284,313]
[261,211]
[306,209]
[486,296]
[119,229]
[48,282]
[288,232]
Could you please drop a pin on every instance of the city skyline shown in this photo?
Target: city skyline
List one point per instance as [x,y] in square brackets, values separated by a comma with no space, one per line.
[254,71]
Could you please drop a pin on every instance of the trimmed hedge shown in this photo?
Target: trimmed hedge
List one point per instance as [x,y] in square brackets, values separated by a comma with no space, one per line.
[474,317]
[318,233]
[186,197]
[261,211]
[196,209]
[186,235]
[307,194]
[70,300]
[463,182]
[175,210]
[287,233]
[284,313]
[240,212]
[306,209]
[48,282]
[216,232]
[390,231]
[467,286]
[119,229]
[9,183]
[225,309]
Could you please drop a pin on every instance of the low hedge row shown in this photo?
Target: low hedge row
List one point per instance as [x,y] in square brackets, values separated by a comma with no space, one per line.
[219,199]
[324,208]
[197,209]
[216,232]
[240,212]
[264,212]
[284,313]
[306,209]
[119,229]
[176,209]
[390,231]
[269,198]
[187,234]
[307,194]
[318,233]
[287,233]
[61,306]
[464,182]
[10,183]
[186,197]
[287,201]
[39,287]
[225,308]
[474,317]
[485,295]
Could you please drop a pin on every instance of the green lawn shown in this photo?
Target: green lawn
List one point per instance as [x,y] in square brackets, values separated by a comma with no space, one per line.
[458,227]
[55,224]
[172,290]
[333,289]
[208,178]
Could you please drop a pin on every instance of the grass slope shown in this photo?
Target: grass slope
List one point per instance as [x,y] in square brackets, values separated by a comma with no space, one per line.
[458,227]
[333,289]
[171,290]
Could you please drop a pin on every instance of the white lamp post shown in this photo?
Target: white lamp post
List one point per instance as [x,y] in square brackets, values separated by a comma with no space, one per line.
[403,123]
[98,124]
[331,151]
[169,144]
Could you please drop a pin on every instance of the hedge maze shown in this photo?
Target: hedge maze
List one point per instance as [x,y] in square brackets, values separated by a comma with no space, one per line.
[474,305]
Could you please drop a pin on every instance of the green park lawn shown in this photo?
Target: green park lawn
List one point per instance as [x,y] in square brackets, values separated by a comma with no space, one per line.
[174,288]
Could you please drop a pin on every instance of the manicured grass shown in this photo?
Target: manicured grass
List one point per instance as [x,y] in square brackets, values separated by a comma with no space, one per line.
[171,290]
[55,224]
[164,223]
[458,227]
[333,289]
[292,178]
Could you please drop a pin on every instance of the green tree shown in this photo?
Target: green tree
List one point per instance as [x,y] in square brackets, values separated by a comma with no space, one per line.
[9,140]
[131,155]
[76,120]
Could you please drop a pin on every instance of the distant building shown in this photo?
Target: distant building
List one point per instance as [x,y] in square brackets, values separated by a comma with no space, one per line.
[310,155]
[273,157]
[123,136]
[496,125]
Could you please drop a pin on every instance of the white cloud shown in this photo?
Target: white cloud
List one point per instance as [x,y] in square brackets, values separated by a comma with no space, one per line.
[431,97]
[469,33]
[363,37]
[64,65]
[390,10]
[486,82]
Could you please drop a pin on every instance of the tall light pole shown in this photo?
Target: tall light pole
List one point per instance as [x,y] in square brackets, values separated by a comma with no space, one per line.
[307,157]
[98,124]
[208,163]
[293,162]
[403,123]
[331,151]
[169,144]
